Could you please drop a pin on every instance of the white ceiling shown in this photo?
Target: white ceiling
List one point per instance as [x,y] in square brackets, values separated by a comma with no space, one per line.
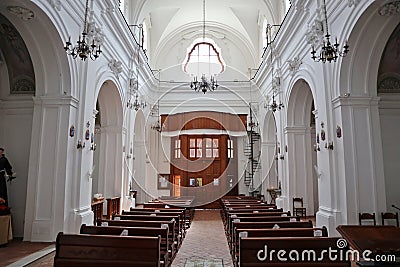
[234,25]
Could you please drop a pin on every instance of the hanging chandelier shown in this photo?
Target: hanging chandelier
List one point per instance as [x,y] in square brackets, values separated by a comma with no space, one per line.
[83,49]
[136,104]
[204,85]
[329,52]
[157,125]
[274,106]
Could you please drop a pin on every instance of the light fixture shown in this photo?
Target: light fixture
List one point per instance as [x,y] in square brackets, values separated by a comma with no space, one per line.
[134,89]
[329,52]
[204,85]
[274,106]
[157,125]
[136,104]
[83,49]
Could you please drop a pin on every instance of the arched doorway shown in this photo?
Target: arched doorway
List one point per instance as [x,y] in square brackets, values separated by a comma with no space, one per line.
[17,86]
[107,158]
[302,157]
[367,121]
[389,115]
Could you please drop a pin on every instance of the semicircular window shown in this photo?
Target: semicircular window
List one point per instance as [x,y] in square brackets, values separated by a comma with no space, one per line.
[203,57]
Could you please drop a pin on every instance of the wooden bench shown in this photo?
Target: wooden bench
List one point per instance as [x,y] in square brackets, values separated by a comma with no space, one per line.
[172,237]
[134,231]
[178,230]
[189,213]
[113,206]
[304,247]
[281,232]
[181,215]
[262,219]
[266,225]
[101,251]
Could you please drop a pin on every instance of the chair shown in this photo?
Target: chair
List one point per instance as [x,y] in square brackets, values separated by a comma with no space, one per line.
[366,217]
[390,216]
[298,209]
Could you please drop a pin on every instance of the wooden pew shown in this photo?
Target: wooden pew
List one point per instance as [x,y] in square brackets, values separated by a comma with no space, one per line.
[101,251]
[134,231]
[250,247]
[188,213]
[262,220]
[172,238]
[232,215]
[181,215]
[113,206]
[262,225]
[179,234]
[281,232]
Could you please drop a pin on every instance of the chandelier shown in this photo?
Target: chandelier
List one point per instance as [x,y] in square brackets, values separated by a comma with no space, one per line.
[136,104]
[157,125]
[275,84]
[329,52]
[274,106]
[83,49]
[204,85]
[134,87]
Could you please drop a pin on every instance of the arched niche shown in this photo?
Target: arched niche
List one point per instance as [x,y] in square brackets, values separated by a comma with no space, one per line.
[301,157]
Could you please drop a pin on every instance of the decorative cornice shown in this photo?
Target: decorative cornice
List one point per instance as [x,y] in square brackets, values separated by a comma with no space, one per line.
[115,66]
[315,33]
[21,12]
[389,9]
[294,65]
[95,32]
[56,4]
[353,2]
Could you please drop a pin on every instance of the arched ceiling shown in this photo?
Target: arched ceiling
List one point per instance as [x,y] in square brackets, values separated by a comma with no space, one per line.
[234,25]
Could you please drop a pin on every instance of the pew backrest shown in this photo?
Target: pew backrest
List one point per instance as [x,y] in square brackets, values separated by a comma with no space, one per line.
[91,250]
[297,251]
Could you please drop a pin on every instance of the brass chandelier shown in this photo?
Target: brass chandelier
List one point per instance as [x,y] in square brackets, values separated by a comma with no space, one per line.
[83,49]
[204,85]
[329,52]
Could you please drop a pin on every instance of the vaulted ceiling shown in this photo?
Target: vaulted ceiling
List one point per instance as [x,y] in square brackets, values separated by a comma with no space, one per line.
[236,26]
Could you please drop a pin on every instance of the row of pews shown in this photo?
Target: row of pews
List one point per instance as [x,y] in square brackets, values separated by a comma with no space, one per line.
[257,231]
[149,236]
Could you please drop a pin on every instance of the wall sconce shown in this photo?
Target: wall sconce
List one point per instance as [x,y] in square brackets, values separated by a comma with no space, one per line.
[329,145]
[93,147]
[80,145]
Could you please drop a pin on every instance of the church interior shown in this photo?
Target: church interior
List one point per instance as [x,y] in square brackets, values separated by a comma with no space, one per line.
[167,126]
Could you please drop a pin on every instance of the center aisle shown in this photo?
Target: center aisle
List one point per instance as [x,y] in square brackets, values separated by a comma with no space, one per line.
[205,239]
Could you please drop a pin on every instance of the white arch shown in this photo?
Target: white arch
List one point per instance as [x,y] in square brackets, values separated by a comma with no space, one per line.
[109,142]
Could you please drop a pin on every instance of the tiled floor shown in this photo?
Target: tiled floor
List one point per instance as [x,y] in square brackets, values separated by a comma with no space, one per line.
[205,239]
[16,250]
